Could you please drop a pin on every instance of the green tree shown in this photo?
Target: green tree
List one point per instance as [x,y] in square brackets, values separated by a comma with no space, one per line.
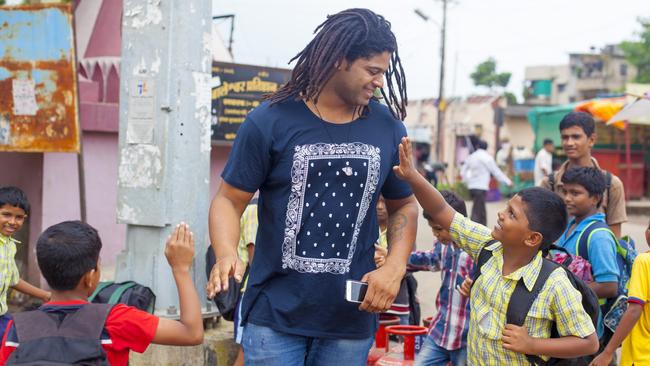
[486,75]
[511,98]
[2,2]
[638,52]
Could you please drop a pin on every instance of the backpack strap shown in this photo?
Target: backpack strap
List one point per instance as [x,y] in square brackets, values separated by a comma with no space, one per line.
[584,239]
[115,296]
[100,287]
[88,321]
[522,300]
[483,256]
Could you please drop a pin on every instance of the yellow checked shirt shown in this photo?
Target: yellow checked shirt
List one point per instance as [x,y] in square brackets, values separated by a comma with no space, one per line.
[8,269]
[558,300]
[247,234]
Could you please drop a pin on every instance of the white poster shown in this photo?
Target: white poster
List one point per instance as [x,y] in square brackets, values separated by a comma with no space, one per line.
[24,93]
[140,125]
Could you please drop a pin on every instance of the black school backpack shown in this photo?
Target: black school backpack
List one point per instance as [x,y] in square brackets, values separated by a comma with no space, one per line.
[46,340]
[129,293]
[522,300]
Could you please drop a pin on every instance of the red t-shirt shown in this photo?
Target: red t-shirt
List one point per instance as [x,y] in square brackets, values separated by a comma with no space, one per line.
[128,329]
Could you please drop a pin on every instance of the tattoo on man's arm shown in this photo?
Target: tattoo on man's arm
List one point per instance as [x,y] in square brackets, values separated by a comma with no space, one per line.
[396,225]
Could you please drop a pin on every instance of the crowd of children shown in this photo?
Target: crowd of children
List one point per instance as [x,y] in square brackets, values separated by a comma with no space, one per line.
[556,324]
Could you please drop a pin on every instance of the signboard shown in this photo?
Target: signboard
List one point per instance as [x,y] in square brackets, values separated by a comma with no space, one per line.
[38,79]
[236,89]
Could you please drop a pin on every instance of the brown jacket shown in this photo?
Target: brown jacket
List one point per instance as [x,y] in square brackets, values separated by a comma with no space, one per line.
[613,205]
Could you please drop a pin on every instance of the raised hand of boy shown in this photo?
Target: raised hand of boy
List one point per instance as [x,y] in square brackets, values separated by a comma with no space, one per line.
[517,339]
[179,251]
[180,248]
[406,169]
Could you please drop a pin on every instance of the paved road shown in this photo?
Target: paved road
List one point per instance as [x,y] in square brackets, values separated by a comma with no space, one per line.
[429,283]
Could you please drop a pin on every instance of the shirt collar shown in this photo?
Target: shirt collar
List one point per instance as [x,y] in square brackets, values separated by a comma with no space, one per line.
[7,239]
[528,272]
[565,166]
[598,216]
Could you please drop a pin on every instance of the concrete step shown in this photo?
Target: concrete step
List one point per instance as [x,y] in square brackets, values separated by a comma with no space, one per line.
[218,349]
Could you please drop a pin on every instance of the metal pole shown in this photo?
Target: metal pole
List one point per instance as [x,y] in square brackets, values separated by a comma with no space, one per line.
[81,170]
[441,103]
[164,139]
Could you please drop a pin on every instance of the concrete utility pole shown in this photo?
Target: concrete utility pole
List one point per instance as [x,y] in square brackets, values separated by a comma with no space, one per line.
[164,141]
[442,105]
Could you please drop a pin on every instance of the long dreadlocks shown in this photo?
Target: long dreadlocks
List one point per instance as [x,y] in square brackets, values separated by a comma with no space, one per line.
[350,34]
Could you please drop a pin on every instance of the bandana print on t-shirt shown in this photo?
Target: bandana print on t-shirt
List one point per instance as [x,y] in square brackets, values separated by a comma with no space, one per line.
[332,188]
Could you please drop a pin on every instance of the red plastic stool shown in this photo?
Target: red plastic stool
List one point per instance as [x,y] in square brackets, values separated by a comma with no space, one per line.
[413,336]
[381,338]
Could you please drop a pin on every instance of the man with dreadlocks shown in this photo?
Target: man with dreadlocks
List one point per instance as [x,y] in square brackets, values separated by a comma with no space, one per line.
[320,151]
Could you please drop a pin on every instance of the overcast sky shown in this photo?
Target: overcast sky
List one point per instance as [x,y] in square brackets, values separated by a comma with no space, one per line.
[517,33]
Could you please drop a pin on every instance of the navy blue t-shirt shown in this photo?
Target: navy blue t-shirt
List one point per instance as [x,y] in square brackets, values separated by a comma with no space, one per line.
[319,183]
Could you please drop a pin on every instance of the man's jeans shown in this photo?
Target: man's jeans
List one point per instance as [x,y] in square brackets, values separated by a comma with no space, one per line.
[433,355]
[266,347]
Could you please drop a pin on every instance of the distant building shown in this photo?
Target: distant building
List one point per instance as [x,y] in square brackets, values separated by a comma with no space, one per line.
[586,76]
[548,85]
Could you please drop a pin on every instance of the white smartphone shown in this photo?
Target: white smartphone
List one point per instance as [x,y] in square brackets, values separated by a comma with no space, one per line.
[355,291]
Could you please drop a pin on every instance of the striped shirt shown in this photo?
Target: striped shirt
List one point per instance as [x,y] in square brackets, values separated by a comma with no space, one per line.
[451,323]
[8,269]
[558,301]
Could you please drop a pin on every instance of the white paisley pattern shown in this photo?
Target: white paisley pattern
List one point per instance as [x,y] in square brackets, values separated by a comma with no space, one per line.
[318,216]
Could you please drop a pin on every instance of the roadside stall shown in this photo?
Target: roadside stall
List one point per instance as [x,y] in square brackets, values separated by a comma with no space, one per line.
[622,140]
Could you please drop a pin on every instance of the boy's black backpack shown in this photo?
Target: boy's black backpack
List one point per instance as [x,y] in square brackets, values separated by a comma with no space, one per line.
[46,340]
[521,301]
[415,312]
[129,293]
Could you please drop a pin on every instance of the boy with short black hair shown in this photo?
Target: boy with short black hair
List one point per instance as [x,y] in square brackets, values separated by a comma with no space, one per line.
[583,189]
[577,132]
[634,329]
[14,210]
[533,219]
[68,256]
[446,340]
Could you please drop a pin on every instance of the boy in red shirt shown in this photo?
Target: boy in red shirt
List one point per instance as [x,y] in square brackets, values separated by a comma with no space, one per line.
[68,256]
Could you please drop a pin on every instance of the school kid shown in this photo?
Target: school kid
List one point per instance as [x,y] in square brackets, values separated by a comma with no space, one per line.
[532,220]
[68,256]
[583,190]
[14,209]
[401,305]
[634,329]
[446,341]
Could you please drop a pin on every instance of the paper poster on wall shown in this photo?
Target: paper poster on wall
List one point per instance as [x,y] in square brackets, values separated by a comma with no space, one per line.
[24,93]
[140,123]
